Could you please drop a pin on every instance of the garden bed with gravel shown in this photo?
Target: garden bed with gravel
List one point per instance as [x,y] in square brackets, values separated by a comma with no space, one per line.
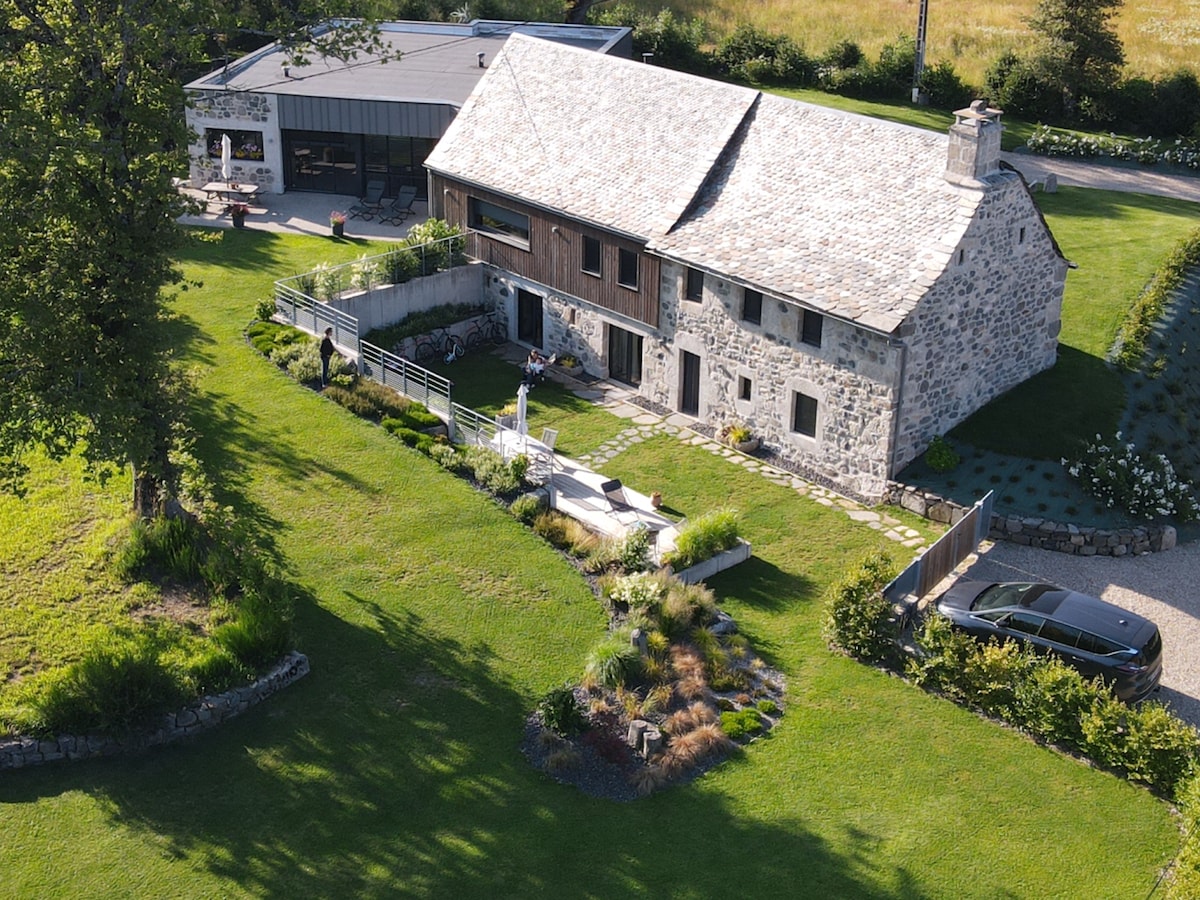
[671,691]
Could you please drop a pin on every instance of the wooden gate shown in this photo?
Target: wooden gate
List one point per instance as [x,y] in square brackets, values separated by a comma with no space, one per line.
[924,572]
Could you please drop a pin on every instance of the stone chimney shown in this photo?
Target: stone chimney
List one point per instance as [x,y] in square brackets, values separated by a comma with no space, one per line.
[974,150]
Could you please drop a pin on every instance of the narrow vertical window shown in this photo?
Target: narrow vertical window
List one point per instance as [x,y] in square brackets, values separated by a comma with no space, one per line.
[812,324]
[627,269]
[695,286]
[744,388]
[752,307]
[591,255]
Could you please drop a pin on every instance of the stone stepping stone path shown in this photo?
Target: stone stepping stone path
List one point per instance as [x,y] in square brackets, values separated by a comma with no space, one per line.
[646,425]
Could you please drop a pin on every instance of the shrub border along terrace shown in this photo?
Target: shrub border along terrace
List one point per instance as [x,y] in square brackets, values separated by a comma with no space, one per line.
[1039,695]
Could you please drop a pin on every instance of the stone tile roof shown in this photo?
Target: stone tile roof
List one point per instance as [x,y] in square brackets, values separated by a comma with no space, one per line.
[843,213]
[623,145]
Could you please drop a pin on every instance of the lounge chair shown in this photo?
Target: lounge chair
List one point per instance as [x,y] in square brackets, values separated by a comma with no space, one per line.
[371,203]
[400,208]
[616,495]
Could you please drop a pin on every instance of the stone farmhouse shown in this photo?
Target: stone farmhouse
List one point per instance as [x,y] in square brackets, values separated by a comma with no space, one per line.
[847,287]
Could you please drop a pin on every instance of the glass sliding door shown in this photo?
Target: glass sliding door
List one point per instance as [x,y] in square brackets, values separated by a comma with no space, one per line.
[323,161]
[624,356]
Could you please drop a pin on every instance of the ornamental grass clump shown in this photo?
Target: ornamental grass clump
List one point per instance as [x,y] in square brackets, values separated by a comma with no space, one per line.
[1145,487]
[703,538]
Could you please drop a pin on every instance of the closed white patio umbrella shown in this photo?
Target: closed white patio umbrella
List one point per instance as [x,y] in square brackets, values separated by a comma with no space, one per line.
[522,408]
[226,157]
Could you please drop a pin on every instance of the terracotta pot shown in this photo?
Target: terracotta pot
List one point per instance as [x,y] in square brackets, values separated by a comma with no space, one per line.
[655,499]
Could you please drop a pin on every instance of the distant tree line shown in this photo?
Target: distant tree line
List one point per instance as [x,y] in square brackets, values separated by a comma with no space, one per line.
[1070,74]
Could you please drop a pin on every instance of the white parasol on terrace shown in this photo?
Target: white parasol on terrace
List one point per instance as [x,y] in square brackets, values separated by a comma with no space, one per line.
[226,157]
[522,408]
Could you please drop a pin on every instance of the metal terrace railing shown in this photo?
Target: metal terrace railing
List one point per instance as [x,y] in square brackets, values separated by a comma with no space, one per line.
[313,316]
[406,378]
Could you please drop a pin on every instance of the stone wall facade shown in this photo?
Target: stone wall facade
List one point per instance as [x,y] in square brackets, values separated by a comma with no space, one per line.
[1030,531]
[236,111]
[852,375]
[990,321]
[205,713]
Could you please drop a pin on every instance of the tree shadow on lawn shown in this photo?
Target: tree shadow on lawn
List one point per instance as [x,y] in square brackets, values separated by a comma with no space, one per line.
[394,769]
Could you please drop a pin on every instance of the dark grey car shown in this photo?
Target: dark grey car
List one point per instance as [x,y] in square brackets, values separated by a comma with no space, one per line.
[1090,635]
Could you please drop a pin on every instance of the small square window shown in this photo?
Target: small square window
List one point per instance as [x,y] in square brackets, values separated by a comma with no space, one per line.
[804,415]
[812,324]
[695,286]
[744,388]
[627,269]
[591,255]
[752,307]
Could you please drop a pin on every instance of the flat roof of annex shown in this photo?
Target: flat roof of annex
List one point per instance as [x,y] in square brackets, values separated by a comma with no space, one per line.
[439,62]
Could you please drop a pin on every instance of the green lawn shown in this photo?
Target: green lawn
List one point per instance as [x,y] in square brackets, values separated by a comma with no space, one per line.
[433,620]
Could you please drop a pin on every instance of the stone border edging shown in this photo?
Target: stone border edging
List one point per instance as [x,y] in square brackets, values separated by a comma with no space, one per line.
[1032,531]
[202,714]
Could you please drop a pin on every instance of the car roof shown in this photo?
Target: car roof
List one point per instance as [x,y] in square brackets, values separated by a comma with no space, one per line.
[1094,615]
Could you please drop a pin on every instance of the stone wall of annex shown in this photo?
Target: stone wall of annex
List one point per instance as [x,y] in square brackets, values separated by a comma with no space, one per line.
[989,322]
[238,111]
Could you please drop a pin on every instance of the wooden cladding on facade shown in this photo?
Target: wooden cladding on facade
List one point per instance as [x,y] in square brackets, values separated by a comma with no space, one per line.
[555,254]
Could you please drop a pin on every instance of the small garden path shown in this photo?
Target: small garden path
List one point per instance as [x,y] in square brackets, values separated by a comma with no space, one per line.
[646,424]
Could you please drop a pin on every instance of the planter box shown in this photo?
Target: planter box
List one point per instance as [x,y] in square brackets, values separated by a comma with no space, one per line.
[718,563]
[747,446]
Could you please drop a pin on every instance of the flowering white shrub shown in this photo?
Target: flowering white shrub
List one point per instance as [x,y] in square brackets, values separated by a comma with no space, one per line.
[638,591]
[1147,488]
[1048,142]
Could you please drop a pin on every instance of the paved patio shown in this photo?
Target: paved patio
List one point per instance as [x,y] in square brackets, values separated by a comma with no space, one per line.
[301,212]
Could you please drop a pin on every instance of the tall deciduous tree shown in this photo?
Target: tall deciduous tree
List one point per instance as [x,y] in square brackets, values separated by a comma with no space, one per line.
[1079,49]
[91,133]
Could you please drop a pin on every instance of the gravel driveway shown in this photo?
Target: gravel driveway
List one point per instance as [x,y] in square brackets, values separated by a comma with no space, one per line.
[1163,587]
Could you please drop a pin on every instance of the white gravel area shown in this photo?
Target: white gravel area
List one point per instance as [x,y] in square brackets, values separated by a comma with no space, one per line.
[1163,587]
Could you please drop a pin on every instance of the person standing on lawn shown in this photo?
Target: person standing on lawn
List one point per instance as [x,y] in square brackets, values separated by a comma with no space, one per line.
[326,355]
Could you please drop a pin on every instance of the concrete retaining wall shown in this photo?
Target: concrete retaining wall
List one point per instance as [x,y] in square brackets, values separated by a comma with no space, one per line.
[390,303]
[205,713]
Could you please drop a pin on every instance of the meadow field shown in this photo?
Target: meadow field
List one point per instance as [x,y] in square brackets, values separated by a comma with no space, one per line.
[1158,37]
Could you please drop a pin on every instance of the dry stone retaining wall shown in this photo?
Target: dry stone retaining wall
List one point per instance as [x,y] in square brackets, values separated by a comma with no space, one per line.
[205,713]
[1080,540]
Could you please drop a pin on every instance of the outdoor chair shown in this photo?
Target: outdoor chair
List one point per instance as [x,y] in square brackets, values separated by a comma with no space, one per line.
[371,203]
[549,436]
[400,208]
[616,495]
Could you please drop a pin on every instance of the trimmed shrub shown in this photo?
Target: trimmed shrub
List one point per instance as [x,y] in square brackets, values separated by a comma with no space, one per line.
[446,456]
[560,711]
[741,724]
[490,470]
[416,439]
[528,507]
[306,366]
[940,455]
[264,309]
[858,618]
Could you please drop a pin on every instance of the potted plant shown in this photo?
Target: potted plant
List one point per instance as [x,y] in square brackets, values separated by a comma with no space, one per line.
[337,221]
[237,213]
[507,416]
[656,499]
[739,436]
[570,364]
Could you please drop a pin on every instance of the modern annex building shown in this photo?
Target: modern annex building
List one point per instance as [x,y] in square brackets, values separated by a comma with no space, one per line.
[331,126]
